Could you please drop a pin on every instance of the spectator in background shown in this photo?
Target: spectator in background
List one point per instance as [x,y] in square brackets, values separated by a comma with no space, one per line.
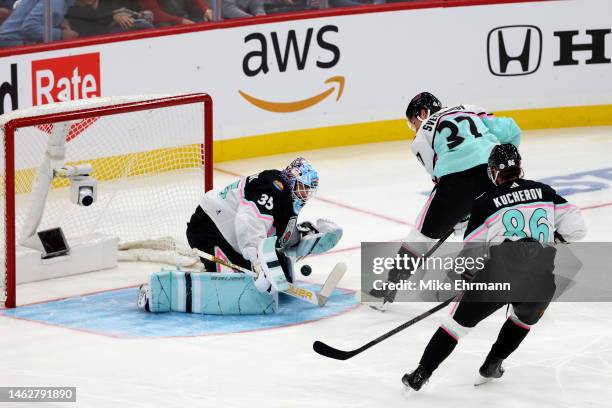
[6,6]
[352,3]
[286,6]
[176,12]
[244,8]
[94,17]
[25,24]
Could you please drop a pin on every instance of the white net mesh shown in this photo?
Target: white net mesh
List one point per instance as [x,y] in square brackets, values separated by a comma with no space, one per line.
[149,167]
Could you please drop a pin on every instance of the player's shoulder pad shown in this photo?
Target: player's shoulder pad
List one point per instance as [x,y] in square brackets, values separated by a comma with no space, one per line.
[548,192]
[273,180]
[475,109]
[268,190]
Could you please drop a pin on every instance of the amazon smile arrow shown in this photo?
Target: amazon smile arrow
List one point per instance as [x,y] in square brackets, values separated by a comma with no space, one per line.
[286,107]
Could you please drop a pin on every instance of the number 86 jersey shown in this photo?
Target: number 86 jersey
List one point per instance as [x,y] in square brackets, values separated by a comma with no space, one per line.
[523,209]
[461,137]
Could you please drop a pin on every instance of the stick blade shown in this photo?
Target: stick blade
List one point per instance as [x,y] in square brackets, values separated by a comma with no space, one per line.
[328,351]
[332,281]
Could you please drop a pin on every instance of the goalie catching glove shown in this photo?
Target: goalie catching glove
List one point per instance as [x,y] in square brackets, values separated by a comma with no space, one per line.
[315,239]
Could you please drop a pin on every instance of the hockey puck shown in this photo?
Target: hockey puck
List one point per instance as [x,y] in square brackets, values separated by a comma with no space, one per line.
[306,270]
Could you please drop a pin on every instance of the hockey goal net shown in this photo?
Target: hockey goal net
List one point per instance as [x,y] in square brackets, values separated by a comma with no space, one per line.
[151,158]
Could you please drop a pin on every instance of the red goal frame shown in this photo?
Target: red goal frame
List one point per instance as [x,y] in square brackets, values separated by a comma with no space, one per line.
[9,148]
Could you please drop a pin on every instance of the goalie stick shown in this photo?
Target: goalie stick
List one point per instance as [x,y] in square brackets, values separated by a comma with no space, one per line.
[319,298]
[296,291]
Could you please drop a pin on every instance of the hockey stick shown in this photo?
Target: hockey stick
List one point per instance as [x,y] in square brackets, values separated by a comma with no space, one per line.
[223,262]
[331,352]
[427,254]
[319,298]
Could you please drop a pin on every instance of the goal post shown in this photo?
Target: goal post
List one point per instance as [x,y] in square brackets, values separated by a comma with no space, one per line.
[140,164]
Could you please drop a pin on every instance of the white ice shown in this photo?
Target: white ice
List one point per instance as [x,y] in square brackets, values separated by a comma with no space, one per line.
[374,192]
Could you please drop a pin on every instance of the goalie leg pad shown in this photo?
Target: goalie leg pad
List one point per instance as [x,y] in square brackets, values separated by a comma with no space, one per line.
[208,293]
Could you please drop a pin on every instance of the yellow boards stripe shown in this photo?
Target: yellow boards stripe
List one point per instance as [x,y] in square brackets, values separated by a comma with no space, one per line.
[129,165]
[395,129]
[163,160]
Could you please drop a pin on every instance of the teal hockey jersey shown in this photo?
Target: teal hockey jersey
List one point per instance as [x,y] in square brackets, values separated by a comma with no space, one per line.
[461,137]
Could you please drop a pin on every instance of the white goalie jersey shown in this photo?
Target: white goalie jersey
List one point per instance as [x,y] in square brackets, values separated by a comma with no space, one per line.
[252,209]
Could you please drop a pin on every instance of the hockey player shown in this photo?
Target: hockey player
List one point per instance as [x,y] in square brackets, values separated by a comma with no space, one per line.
[524,216]
[453,144]
[252,223]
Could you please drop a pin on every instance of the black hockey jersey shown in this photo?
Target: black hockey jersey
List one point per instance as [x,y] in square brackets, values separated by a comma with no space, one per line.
[523,209]
[251,209]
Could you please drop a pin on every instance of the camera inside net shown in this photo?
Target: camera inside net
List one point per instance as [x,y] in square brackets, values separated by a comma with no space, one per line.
[83,188]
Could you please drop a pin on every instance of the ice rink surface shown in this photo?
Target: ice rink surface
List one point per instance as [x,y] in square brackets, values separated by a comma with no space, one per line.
[375,192]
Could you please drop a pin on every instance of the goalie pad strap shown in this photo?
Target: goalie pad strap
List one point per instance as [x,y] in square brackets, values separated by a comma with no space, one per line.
[188,293]
[274,264]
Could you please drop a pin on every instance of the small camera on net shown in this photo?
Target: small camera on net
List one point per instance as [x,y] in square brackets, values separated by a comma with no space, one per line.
[83,188]
[83,192]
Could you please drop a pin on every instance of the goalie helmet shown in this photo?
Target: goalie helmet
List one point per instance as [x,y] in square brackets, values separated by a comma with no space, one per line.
[505,159]
[423,100]
[303,180]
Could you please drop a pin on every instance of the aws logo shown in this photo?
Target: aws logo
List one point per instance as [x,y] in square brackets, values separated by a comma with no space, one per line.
[259,60]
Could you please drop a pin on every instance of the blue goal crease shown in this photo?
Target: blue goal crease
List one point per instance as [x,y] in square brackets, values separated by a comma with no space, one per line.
[114,313]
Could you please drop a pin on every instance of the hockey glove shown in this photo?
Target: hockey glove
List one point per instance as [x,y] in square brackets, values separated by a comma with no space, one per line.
[315,238]
[262,283]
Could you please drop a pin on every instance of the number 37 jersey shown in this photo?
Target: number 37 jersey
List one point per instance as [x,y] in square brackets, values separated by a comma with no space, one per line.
[251,209]
[523,209]
[461,137]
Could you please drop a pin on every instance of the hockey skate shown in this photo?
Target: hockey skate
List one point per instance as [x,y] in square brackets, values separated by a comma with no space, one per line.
[490,370]
[416,379]
[144,294]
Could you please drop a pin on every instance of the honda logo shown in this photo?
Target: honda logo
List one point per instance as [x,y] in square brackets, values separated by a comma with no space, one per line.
[514,50]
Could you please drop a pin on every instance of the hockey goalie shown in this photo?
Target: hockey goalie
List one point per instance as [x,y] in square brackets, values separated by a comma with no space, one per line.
[252,226]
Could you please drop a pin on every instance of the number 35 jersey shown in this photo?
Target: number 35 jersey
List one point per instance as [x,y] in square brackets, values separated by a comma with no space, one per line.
[461,137]
[523,209]
[251,209]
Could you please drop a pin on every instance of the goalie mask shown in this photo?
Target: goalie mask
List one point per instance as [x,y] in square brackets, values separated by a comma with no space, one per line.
[303,180]
[421,101]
